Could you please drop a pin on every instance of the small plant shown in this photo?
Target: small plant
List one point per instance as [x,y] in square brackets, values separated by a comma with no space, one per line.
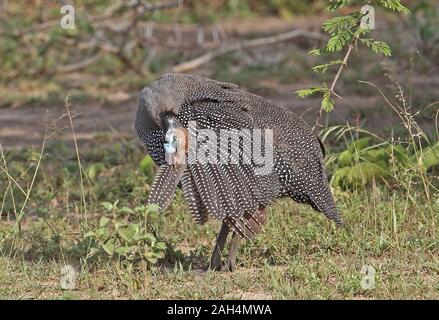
[363,161]
[127,234]
[345,34]
[147,167]
[405,160]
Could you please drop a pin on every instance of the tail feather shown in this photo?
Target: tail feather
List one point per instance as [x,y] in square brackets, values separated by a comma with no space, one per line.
[239,191]
[325,203]
[164,185]
[248,225]
[218,174]
[193,199]
[207,193]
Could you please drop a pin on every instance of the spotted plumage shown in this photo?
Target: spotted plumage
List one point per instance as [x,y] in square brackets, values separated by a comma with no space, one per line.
[233,191]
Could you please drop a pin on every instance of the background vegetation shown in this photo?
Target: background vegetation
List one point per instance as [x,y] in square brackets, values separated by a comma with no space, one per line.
[74,194]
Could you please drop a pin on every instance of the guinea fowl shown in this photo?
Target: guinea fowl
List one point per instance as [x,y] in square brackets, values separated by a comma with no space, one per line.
[236,191]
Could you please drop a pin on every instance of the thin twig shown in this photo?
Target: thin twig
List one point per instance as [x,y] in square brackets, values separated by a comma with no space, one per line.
[20,216]
[334,82]
[67,104]
[5,170]
[9,180]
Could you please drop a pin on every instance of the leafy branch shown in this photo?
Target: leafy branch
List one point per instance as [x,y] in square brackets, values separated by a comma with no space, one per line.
[345,33]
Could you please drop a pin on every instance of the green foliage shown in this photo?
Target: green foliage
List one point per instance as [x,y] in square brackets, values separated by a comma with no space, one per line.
[147,166]
[363,161]
[327,102]
[394,5]
[127,234]
[429,157]
[345,32]
[322,68]
[377,46]
[307,92]
[294,257]
[359,164]
[95,170]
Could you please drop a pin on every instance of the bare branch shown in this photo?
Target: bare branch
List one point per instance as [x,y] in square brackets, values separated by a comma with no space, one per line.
[79,65]
[334,82]
[205,58]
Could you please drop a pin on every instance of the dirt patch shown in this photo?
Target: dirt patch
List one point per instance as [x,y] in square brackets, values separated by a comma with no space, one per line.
[94,124]
[100,124]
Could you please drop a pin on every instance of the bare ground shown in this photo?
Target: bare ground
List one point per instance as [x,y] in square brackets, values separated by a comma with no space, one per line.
[99,124]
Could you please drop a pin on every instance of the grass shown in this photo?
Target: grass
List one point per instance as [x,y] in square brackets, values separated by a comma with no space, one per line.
[299,255]
[51,197]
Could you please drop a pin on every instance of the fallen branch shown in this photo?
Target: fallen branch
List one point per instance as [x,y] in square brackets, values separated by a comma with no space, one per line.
[107,15]
[79,65]
[158,6]
[205,58]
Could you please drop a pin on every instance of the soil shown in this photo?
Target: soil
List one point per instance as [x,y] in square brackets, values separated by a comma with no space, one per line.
[97,124]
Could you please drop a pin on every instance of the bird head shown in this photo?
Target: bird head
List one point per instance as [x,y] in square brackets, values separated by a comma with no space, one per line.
[157,104]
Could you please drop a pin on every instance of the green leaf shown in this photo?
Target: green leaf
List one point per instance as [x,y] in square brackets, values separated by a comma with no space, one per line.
[358,145]
[102,233]
[109,247]
[94,170]
[327,102]
[360,173]
[160,245]
[430,157]
[127,233]
[92,252]
[340,24]
[375,155]
[395,5]
[107,206]
[124,250]
[103,222]
[345,158]
[338,41]
[377,46]
[152,208]
[147,165]
[337,4]
[146,236]
[90,234]
[316,52]
[381,47]
[126,210]
[307,92]
[322,68]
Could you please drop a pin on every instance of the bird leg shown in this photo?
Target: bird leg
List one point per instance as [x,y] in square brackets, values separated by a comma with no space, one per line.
[215,261]
[231,258]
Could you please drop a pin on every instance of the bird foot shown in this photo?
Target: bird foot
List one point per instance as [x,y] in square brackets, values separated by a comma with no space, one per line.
[215,264]
[229,266]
